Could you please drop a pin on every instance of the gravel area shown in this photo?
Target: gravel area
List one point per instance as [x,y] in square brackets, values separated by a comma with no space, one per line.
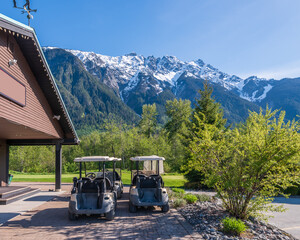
[205,217]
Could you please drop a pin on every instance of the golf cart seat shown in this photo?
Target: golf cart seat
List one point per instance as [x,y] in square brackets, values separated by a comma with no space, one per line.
[135,178]
[86,179]
[158,178]
[90,187]
[148,182]
[117,177]
[100,181]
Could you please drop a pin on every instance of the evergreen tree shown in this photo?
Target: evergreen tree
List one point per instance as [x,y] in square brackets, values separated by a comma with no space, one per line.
[207,110]
[179,113]
[177,128]
[148,122]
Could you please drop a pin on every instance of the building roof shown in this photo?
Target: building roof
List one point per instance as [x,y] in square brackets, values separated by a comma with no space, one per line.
[32,51]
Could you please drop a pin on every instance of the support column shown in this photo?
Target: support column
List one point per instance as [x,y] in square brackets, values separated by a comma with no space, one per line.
[58,166]
[4,163]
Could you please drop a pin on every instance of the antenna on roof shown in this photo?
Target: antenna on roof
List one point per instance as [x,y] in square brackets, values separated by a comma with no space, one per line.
[25,9]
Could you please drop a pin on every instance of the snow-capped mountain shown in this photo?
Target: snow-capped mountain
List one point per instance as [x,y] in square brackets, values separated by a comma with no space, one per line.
[88,80]
[124,73]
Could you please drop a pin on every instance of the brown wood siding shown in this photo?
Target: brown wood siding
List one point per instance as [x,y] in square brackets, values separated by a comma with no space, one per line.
[36,114]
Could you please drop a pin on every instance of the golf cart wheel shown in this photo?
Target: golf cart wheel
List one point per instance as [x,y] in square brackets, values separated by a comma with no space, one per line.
[72,216]
[110,215]
[165,208]
[132,208]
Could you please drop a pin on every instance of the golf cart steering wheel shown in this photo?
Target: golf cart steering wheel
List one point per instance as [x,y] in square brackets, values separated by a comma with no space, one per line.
[91,175]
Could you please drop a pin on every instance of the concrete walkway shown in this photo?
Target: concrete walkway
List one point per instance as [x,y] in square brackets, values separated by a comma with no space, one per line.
[288,221]
[50,221]
[22,206]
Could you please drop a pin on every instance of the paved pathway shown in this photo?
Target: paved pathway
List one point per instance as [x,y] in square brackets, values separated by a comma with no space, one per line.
[50,221]
[288,221]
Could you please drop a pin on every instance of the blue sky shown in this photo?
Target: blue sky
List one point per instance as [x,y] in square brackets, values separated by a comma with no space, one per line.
[241,37]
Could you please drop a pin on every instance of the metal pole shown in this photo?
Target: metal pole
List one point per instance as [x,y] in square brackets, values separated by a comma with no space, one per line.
[120,169]
[137,167]
[104,177]
[157,167]
[58,166]
[114,170]
[80,169]
[131,170]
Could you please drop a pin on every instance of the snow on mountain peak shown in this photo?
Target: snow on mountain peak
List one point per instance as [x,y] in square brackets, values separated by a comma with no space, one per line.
[123,72]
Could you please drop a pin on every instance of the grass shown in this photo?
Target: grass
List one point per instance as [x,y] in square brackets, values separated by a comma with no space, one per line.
[170,179]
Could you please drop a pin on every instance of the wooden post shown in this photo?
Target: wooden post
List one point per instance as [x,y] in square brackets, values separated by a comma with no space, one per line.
[4,163]
[58,166]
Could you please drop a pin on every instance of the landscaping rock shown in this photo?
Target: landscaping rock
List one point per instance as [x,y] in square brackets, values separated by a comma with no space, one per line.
[206,218]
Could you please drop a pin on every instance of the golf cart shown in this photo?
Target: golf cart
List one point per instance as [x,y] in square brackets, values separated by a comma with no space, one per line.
[114,176]
[92,194]
[147,186]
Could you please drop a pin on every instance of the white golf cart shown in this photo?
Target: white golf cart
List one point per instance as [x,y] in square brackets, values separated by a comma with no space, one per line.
[92,194]
[147,186]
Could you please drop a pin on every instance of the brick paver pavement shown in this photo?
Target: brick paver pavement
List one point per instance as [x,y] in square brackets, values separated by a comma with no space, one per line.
[50,221]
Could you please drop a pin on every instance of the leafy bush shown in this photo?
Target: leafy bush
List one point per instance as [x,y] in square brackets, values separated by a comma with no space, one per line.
[233,226]
[69,167]
[250,164]
[203,197]
[178,190]
[190,198]
[179,202]
[295,190]
[194,185]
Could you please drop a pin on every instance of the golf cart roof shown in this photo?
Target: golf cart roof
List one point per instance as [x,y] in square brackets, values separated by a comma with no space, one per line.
[93,159]
[114,159]
[146,158]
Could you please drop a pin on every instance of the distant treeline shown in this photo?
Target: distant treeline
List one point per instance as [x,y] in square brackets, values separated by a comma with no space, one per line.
[119,140]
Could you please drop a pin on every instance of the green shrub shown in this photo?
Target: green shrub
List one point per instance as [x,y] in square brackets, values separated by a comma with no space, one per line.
[257,158]
[190,198]
[295,190]
[179,202]
[233,226]
[178,190]
[203,197]
[194,185]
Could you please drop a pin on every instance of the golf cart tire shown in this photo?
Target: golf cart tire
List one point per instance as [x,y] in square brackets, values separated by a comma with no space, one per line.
[165,208]
[132,208]
[72,216]
[110,215]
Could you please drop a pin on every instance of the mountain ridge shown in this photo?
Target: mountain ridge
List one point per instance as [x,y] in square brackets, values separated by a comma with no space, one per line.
[137,80]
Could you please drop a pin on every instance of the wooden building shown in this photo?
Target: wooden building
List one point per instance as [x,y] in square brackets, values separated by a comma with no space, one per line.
[32,111]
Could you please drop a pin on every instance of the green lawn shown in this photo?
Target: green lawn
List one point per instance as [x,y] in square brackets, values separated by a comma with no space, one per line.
[171,180]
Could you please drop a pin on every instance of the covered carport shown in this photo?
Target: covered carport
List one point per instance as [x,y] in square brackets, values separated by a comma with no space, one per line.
[32,111]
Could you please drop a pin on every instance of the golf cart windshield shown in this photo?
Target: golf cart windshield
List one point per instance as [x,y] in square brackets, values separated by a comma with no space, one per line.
[100,159]
[152,165]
